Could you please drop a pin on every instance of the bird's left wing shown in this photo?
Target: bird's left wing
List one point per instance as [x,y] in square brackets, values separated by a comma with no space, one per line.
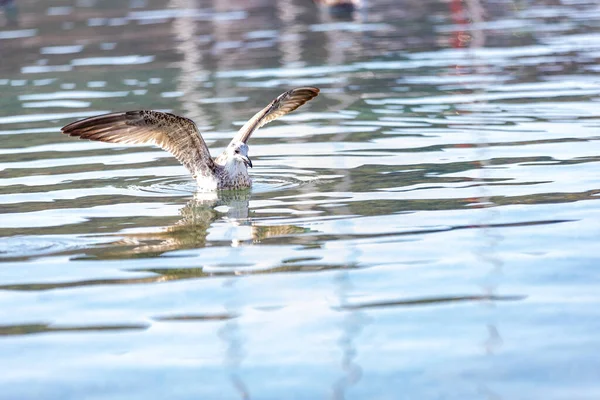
[285,103]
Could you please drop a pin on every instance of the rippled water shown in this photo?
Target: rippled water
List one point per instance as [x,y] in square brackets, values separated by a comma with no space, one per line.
[425,229]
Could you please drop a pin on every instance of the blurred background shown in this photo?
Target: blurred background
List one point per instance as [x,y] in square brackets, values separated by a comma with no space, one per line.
[424,229]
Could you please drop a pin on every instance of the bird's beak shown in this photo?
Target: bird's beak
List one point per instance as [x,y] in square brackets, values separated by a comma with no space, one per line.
[247,161]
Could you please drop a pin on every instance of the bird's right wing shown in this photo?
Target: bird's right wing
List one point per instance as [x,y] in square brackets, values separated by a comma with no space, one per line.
[177,135]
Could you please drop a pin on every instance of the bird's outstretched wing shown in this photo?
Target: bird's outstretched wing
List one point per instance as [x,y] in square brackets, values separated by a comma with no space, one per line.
[285,103]
[177,135]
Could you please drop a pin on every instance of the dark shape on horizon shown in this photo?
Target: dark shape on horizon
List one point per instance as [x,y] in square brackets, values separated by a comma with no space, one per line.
[11,12]
[339,7]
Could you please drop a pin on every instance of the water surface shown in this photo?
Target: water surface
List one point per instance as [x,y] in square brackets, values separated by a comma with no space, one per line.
[424,229]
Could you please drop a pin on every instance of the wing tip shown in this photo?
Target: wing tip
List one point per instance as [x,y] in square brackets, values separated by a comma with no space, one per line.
[88,126]
[70,129]
[314,91]
[74,129]
[302,94]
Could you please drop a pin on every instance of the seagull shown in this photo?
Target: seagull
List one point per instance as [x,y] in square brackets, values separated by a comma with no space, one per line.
[180,137]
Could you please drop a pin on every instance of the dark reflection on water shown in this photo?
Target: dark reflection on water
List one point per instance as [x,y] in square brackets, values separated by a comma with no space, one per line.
[427,301]
[453,149]
[11,330]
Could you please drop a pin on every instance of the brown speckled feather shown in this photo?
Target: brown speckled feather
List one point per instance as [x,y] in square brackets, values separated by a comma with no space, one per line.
[285,103]
[177,135]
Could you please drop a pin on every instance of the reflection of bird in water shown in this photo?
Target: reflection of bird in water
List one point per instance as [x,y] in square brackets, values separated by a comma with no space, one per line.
[180,137]
[197,216]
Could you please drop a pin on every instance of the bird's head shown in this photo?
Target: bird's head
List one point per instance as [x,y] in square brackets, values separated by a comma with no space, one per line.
[238,152]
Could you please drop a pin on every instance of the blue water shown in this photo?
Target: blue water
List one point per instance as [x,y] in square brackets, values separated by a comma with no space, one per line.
[425,229]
